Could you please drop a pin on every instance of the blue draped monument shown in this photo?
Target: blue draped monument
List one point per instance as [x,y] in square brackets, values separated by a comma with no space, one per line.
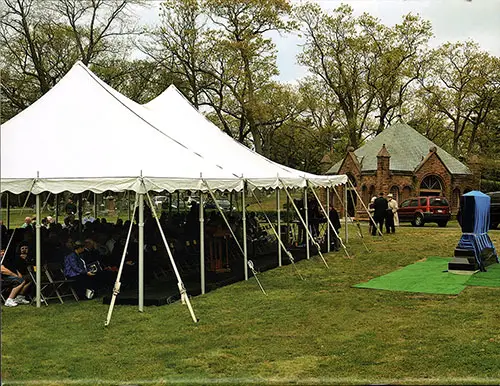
[475,250]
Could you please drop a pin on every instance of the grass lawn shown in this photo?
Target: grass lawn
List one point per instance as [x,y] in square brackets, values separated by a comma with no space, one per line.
[317,331]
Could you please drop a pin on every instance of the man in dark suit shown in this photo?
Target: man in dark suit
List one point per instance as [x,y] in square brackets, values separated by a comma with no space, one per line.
[380,205]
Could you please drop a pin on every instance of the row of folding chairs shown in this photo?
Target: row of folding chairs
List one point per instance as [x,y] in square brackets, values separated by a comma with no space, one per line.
[54,285]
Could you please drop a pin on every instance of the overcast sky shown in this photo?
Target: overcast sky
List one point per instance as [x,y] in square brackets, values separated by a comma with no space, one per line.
[452,20]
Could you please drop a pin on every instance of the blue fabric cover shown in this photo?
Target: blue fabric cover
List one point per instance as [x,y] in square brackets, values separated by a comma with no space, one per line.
[478,239]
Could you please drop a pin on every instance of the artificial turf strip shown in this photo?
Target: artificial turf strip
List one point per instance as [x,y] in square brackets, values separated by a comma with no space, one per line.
[490,278]
[429,276]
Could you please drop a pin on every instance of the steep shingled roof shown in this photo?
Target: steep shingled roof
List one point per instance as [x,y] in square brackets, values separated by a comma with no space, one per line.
[407,148]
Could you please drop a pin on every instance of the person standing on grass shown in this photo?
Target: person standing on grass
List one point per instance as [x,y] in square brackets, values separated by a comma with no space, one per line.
[380,210]
[392,214]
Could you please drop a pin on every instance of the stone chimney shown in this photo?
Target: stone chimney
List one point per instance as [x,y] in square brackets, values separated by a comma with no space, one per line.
[383,173]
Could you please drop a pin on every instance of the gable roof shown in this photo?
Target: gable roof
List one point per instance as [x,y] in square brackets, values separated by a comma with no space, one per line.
[407,148]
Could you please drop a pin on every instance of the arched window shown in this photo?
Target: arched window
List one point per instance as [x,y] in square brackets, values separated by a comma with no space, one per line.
[431,186]
[395,193]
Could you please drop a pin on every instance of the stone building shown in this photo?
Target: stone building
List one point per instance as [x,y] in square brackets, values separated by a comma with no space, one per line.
[403,162]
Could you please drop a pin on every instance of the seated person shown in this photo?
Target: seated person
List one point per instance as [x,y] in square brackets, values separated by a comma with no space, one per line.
[13,278]
[75,268]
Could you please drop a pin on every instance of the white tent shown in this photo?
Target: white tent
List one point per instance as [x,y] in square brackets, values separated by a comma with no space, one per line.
[82,135]
[192,128]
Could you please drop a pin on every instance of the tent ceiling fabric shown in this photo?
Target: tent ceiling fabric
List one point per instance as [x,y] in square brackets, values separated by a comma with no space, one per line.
[91,137]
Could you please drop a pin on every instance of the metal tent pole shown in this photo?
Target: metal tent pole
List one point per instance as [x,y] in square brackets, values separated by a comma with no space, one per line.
[346,237]
[116,288]
[180,284]
[80,215]
[245,251]
[329,222]
[202,245]
[279,225]
[128,205]
[8,210]
[304,224]
[38,253]
[366,209]
[328,215]
[57,208]
[306,215]
[141,252]
[278,237]
[96,215]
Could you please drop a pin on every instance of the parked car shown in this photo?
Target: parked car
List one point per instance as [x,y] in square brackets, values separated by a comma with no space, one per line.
[424,209]
[494,209]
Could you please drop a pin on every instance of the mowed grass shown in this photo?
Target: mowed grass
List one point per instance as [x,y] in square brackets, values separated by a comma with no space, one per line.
[317,331]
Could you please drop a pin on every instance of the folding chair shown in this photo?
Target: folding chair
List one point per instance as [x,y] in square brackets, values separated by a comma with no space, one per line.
[52,286]
[55,275]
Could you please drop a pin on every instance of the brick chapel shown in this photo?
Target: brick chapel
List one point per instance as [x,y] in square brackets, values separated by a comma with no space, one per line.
[405,163]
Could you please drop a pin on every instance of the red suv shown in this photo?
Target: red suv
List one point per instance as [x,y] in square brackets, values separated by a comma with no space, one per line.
[419,210]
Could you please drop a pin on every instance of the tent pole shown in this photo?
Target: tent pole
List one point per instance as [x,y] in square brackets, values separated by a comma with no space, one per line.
[178,202]
[244,214]
[80,215]
[280,242]
[346,237]
[57,208]
[330,224]
[304,224]
[170,206]
[306,215]
[128,205]
[328,216]
[367,211]
[202,245]
[141,252]
[224,217]
[279,225]
[95,206]
[180,284]
[8,210]
[116,288]
[38,253]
